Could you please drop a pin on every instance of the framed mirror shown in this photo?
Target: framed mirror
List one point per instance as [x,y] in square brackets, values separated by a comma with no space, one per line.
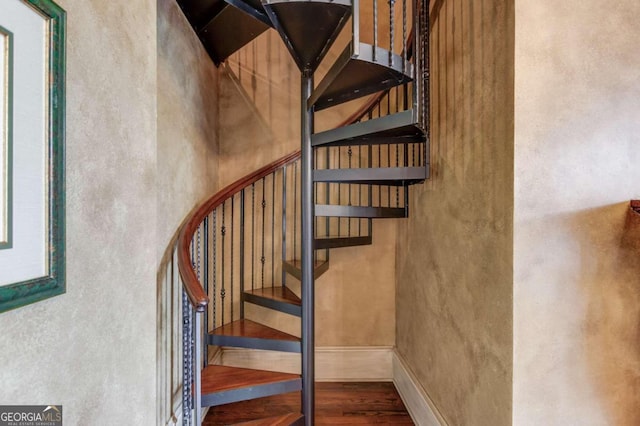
[32,135]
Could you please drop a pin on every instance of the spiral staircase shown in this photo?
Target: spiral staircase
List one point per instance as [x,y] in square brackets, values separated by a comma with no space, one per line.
[263,240]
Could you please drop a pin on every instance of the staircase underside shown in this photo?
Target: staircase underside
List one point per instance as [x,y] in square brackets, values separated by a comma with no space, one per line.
[360,72]
[333,242]
[225,26]
[308,27]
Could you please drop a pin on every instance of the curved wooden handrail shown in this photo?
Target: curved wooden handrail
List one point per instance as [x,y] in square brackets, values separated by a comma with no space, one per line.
[195,292]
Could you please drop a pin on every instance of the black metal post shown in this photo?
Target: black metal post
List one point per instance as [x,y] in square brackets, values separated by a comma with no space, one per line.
[242,252]
[308,341]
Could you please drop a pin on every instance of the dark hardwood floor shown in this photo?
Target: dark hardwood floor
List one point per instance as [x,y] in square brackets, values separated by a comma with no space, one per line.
[336,404]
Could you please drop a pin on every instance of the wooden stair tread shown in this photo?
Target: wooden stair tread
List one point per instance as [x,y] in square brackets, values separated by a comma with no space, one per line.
[286,420]
[279,294]
[220,378]
[248,328]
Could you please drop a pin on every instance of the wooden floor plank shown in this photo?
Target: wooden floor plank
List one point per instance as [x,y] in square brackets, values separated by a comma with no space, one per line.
[336,404]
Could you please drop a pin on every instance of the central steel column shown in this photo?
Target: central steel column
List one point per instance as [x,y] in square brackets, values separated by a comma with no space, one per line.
[308,290]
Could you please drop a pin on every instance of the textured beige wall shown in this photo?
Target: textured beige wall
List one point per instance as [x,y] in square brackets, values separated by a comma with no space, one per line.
[187,157]
[259,108]
[93,349]
[576,289]
[454,271]
[187,121]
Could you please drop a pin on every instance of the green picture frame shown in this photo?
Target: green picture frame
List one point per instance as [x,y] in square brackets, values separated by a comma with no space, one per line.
[18,294]
[6,141]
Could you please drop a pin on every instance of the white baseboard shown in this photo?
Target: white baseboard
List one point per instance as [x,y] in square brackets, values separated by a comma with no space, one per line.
[333,364]
[421,408]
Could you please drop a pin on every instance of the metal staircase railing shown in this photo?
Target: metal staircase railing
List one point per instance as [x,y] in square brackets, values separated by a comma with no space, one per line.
[265,238]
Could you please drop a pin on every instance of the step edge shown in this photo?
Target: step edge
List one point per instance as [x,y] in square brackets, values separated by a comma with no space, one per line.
[260,343]
[362,212]
[250,392]
[276,305]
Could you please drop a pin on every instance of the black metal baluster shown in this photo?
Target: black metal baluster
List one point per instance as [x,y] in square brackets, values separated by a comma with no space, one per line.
[273,228]
[359,189]
[205,348]
[215,264]
[404,36]
[406,201]
[379,165]
[253,234]
[198,252]
[231,285]
[316,199]
[187,359]
[349,187]
[375,29]
[223,290]
[339,187]
[327,195]
[241,258]
[388,145]
[295,210]
[391,30]
[284,223]
[262,258]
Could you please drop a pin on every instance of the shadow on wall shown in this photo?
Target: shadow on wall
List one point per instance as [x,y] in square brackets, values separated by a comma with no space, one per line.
[186,76]
[609,245]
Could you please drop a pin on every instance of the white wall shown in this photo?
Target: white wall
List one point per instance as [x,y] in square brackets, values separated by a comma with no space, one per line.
[93,349]
[577,151]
